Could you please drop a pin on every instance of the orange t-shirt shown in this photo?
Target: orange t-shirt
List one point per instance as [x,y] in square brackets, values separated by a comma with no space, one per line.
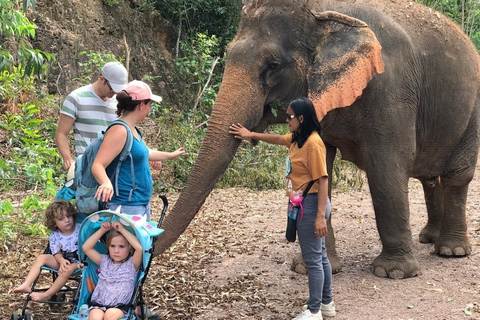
[308,163]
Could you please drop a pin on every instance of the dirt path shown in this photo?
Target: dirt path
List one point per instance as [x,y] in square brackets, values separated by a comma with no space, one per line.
[233,262]
[255,261]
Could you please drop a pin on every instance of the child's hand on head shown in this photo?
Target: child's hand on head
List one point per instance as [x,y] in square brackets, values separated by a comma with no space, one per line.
[117,225]
[106,226]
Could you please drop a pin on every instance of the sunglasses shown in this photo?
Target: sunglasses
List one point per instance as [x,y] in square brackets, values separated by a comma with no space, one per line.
[108,84]
[290,116]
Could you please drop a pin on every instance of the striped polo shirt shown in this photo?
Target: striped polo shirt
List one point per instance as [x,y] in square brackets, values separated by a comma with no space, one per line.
[91,114]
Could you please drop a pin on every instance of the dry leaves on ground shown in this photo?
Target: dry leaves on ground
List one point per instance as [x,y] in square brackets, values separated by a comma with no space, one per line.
[233,262]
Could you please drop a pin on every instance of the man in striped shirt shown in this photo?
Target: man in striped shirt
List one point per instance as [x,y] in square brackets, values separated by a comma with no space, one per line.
[88,110]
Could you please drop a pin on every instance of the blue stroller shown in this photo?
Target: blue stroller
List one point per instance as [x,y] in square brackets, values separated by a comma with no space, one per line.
[146,232]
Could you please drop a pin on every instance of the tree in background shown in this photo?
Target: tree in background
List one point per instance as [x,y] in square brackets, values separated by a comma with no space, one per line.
[463,12]
[210,17]
[15,31]
[204,28]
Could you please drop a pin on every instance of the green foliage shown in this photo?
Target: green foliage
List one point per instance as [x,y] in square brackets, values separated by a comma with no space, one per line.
[346,176]
[259,167]
[26,220]
[14,23]
[92,62]
[197,67]
[12,83]
[215,17]
[28,3]
[177,132]
[464,12]
[7,230]
[33,157]
[32,164]
[111,2]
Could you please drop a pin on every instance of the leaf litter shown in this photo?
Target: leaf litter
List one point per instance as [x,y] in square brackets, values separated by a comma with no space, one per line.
[233,262]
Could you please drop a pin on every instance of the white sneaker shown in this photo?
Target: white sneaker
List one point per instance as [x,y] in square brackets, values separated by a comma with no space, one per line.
[328,310]
[307,315]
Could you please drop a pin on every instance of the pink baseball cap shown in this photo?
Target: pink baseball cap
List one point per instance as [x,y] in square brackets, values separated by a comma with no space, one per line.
[139,90]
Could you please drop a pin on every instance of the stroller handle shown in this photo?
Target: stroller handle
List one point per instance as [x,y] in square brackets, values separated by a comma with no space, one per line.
[164,210]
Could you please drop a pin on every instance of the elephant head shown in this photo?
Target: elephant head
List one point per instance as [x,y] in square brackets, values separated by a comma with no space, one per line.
[283,50]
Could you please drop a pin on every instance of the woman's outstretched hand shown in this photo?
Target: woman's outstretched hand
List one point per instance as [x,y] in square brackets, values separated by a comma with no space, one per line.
[239,131]
[179,152]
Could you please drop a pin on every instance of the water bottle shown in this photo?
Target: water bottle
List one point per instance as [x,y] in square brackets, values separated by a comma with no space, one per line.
[83,312]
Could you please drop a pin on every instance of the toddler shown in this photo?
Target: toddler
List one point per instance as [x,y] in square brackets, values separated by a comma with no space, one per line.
[63,242]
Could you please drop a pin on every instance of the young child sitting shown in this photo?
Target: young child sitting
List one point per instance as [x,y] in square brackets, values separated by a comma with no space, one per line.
[117,271]
[60,218]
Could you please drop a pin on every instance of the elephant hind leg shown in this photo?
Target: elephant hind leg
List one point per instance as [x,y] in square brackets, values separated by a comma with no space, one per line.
[460,168]
[447,225]
[453,239]
[388,266]
[434,201]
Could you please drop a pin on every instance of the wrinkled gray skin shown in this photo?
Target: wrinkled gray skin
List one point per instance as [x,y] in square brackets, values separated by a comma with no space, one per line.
[400,84]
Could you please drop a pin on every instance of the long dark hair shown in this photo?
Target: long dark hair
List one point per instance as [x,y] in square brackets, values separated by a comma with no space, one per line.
[304,107]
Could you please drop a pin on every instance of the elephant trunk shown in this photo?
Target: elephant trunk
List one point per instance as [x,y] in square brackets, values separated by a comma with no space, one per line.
[217,150]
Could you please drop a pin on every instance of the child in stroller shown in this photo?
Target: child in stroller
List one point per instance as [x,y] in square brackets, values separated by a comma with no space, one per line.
[117,272]
[60,258]
[111,285]
[63,251]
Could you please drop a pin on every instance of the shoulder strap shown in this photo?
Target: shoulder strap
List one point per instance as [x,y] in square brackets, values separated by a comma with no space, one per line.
[129,143]
[310,184]
[123,156]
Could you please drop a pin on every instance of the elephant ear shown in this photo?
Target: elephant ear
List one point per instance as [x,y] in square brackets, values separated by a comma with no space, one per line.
[348,57]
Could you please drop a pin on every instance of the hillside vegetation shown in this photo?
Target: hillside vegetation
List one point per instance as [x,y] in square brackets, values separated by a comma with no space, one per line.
[50,47]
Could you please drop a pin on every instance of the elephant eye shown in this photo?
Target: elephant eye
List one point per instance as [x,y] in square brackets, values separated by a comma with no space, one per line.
[273,66]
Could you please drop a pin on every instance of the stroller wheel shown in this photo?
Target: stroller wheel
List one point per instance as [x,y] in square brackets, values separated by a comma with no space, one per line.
[17,316]
[59,297]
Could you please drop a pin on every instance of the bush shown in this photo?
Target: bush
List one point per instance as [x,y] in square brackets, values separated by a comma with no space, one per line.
[32,162]
[259,167]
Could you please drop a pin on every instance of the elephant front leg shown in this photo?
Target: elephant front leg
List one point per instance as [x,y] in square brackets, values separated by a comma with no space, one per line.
[390,201]
[453,240]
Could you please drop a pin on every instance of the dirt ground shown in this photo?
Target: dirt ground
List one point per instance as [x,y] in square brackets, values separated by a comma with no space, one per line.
[233,262]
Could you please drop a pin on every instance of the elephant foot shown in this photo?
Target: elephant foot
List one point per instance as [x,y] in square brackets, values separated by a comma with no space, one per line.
[453,247]
[428,234]
[298,265]
[334,262]
[397,267]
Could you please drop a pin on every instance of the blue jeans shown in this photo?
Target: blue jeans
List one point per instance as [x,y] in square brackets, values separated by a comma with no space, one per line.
[132,210]
[314,254]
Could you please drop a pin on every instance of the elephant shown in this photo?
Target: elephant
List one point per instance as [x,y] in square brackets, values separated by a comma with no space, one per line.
[396,86]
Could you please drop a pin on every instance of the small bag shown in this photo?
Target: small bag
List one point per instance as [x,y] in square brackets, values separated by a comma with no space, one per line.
[292,214]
